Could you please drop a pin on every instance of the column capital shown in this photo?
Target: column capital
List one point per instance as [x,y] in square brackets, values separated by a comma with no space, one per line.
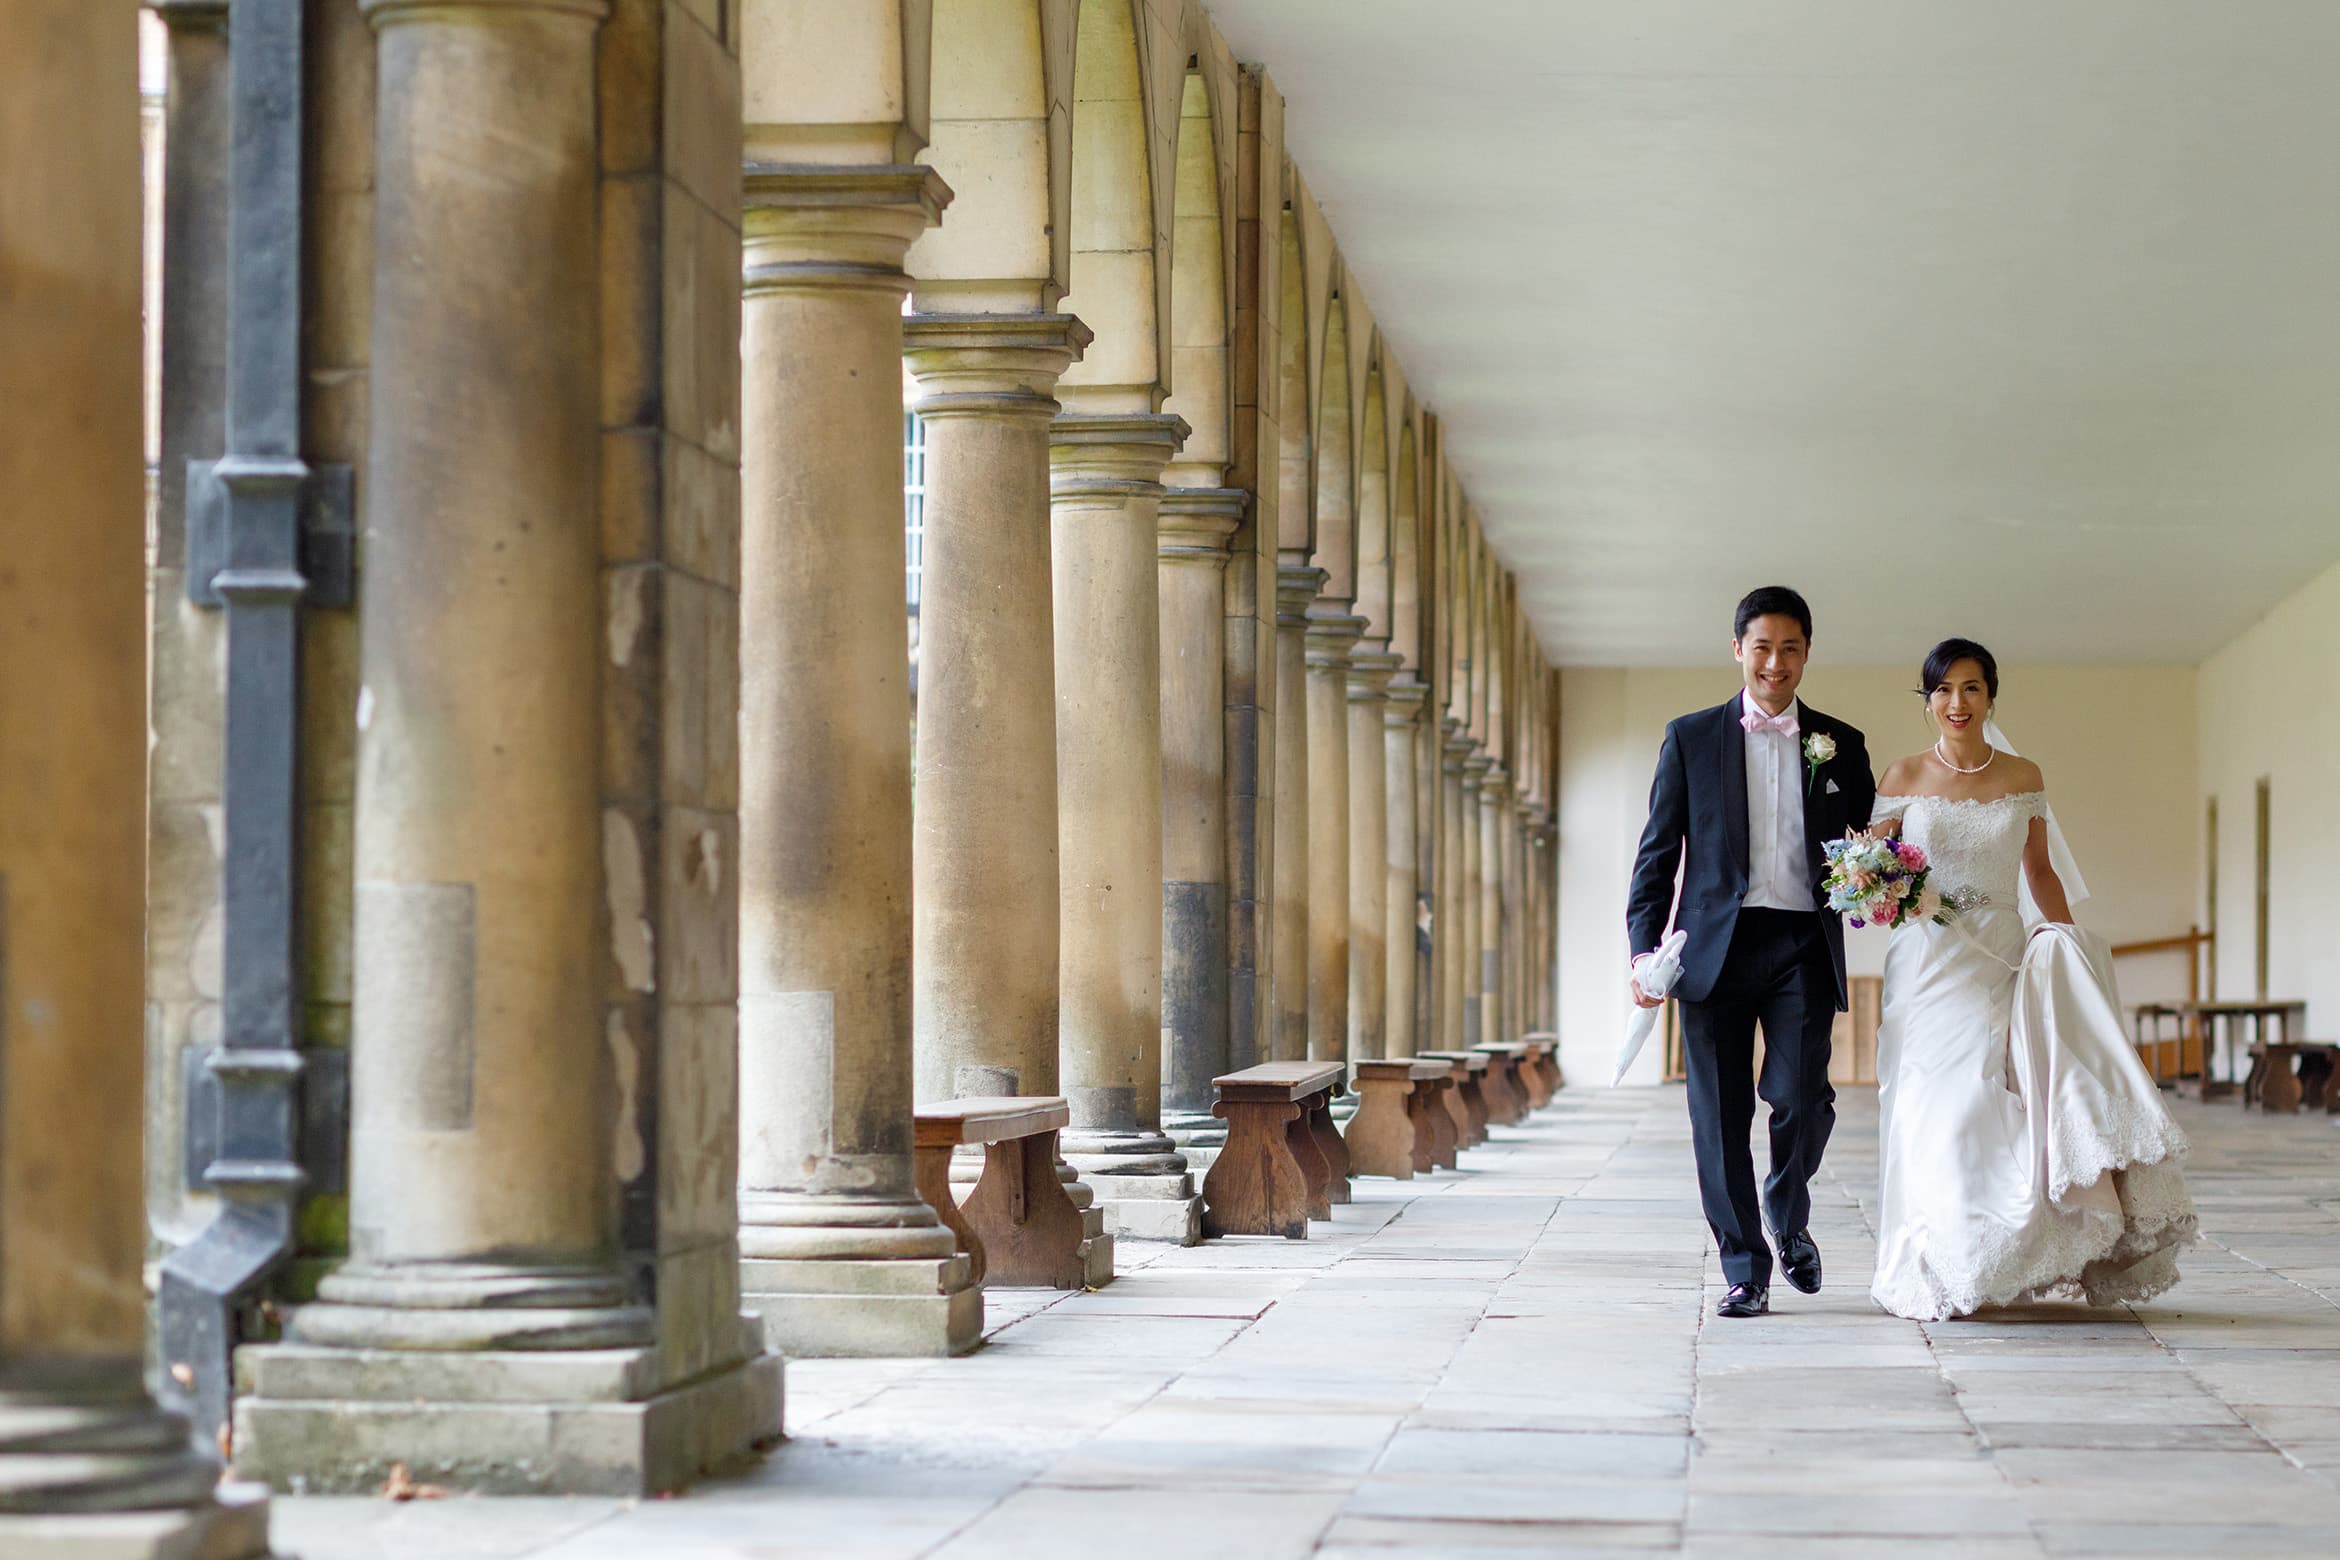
[1496,785]
[1475,765]
[190,15]
[384,13]
[1114,456]
[1404,698]
[1198,522]
[1332,630]
[1370,670]
[1296,587]
[990,364]
[816,225]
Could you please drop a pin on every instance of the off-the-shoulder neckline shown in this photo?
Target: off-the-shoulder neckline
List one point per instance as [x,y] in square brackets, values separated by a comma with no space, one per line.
[1966,801]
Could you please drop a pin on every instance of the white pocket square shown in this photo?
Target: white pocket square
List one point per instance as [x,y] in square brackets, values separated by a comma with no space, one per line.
[1833,788]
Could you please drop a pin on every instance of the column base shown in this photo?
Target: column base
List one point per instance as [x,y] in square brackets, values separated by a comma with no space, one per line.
[833,1308]
[580,1422]
[1096,1248]
[1151,1207]
[1193,1130]
[1141,1181]
[232,1525]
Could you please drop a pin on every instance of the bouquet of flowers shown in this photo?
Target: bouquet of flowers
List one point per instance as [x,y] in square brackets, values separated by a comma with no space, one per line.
[1882,882]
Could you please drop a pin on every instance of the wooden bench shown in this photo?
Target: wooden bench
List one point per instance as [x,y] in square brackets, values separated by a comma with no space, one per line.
[1019,1226]
[1469,1099]
[1549,1062]
[1393,1133]
[1283,1163]
[2276,1087]
[1507,1103]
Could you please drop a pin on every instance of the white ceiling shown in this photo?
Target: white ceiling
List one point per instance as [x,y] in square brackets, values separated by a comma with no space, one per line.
[2034,302]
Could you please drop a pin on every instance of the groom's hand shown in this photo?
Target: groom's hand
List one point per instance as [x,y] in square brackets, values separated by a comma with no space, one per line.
[1642,999]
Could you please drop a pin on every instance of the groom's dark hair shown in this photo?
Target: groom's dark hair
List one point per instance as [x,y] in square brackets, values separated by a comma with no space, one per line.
[1770,601]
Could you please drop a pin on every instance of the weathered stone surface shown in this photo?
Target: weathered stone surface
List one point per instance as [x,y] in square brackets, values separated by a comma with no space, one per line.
[233,1526]
[579,1433]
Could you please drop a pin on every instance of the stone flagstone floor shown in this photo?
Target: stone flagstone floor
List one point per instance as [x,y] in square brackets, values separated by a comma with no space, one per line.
[1520,1359]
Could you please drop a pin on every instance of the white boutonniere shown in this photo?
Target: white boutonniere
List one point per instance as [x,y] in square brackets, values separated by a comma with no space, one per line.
[1819,748]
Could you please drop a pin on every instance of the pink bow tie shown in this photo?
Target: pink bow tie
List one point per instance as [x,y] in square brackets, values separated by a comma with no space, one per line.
[1786,724]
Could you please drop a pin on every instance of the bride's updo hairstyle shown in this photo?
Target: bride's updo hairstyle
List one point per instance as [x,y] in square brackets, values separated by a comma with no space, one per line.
[1949,653]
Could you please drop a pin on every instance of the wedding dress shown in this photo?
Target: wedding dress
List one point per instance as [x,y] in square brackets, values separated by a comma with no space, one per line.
[2024,1154]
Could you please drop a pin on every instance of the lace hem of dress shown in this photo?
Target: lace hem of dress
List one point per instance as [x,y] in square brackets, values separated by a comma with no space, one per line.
[2089,1254]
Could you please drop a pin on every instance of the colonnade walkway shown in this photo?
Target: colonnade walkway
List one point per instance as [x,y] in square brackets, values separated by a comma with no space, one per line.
[1520,1358]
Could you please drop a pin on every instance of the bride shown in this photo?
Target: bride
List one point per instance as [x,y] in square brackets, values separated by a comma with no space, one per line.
[2024,1154]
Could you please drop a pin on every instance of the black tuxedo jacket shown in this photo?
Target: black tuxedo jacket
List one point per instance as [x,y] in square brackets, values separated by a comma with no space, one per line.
[1698,821]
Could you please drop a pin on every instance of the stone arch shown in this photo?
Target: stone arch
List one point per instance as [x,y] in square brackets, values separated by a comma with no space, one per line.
[1000,120]
[1295,509]
[1335,468]
[1373,549]
[1405,553]
[1113,280]
[1198,294]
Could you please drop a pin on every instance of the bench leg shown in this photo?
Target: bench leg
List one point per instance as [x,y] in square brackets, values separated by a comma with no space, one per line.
[1315,1173]
[1503,1086]
[1256,1186]
[2278,1091]
[1381,1135]
[1458,1117]
[933,1168]
[1447,1118]
[1328,1143]
[1475,1102]
[1421,1100]
[2315,1079]
[1030,1231]
[1492,1096]
[1531,1079]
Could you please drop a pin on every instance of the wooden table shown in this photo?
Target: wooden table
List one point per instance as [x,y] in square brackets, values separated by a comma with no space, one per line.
[2218,1020]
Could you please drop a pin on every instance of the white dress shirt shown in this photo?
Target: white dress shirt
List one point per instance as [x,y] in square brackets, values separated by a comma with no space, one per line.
[1778,877]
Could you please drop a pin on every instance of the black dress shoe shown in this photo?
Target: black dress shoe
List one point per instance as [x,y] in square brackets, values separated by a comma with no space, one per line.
[1745,1300]
[1800,1259]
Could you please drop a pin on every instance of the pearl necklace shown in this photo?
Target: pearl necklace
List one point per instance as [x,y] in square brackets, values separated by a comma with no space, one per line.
[1976,770]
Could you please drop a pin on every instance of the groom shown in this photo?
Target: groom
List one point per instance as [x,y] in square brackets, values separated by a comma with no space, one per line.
[1746,795]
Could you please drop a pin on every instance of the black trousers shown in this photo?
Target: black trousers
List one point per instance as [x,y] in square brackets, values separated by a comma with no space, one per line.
[1777,974]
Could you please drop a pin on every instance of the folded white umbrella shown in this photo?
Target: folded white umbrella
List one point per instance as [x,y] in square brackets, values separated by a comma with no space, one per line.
[1657,978]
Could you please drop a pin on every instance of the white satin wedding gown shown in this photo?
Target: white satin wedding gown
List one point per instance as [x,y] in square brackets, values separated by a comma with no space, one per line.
[2023,1152]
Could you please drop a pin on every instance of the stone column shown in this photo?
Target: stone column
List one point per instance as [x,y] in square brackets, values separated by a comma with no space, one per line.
[482,1199]
[1332,632]
[1105,496]
[1454,1006]
[1400,728]
[1495,1020]
[1296,588]
[1515,923]
[1429,866]
[1370,670]
[89,1464]
[1474,880]
[984,834]
[1196,525]
[984,861]
[839,1255]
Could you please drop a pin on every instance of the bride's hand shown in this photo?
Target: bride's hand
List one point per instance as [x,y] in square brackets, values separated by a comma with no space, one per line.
[1886,829]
